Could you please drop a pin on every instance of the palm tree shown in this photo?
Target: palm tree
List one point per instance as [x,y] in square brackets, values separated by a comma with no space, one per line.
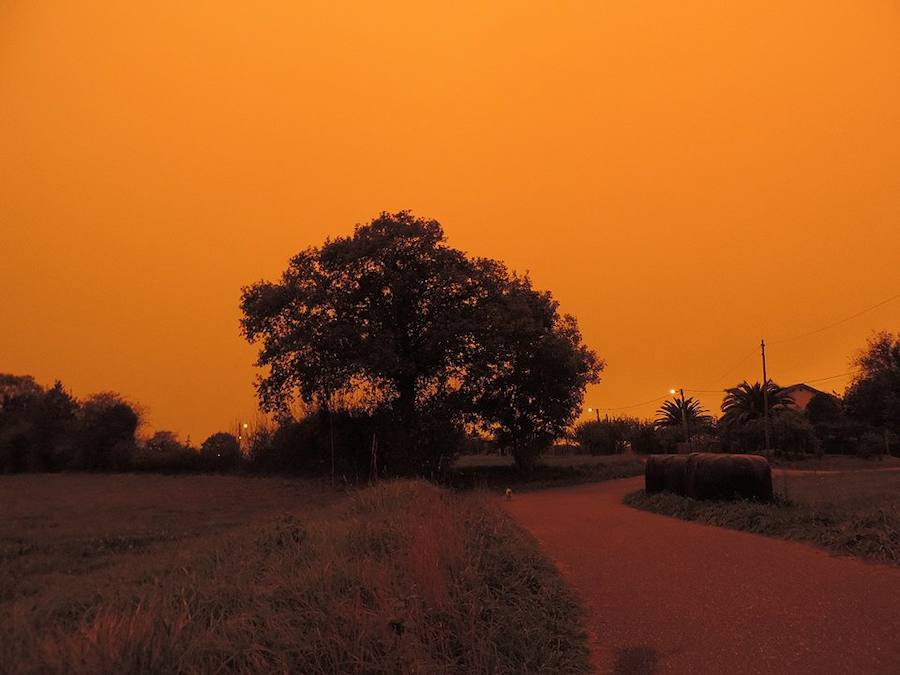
[670,413]
[746,401]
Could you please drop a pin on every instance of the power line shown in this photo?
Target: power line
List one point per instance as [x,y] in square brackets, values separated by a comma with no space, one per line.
[776,342]
[834,377]
[722,391]
[638,405]
[735,366]
[802,335]
[839,322]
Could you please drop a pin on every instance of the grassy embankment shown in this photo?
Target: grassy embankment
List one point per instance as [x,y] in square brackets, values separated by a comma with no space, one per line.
[119,574]
[850,513]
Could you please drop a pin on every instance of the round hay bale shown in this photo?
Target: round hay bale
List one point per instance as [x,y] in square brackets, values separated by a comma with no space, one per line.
[665,472]
[727,476]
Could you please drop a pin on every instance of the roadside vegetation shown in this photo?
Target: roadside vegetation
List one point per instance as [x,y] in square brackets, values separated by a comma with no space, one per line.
[490,472]
[849,513]
[165,574]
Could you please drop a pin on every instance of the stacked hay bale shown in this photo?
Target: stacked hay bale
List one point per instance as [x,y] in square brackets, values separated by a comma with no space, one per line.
[703,475]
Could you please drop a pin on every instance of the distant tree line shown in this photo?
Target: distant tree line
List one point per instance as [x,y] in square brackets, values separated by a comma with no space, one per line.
[50,430]
[865,421]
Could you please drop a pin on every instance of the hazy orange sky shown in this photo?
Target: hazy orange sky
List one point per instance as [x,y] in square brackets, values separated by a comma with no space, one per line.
[685,177]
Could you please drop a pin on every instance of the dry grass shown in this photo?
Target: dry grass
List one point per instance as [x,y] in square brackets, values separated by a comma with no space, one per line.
[216,574]
[854,513]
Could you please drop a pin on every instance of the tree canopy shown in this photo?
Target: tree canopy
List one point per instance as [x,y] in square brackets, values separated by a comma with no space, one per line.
[393,319]
[673,413]
[873,396]
[747,402]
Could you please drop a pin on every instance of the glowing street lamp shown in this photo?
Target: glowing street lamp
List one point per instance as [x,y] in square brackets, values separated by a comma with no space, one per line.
[596,410]
[684,422]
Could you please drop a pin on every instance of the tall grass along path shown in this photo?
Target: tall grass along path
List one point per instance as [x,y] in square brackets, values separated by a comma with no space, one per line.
[667,596]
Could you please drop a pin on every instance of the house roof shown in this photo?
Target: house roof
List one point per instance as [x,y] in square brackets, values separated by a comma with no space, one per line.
[802,386]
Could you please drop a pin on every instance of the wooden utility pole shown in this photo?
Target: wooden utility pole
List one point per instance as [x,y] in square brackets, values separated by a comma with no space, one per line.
[762,345]
[684,421]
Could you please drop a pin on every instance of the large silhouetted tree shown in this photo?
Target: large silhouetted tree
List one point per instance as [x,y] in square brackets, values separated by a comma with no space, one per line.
[394,318]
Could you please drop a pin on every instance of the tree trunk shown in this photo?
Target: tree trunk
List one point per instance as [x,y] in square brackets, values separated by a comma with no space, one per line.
[406,398]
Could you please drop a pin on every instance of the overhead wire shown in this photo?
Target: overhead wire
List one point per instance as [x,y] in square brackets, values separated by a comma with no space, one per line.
[838,322]
[776,342]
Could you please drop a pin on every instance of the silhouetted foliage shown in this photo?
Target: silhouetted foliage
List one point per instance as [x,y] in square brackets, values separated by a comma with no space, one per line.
[600,437]
[221,452]
[873,397]
[875,442]
[17,386]
[366,445]
[304,445]
[34,425]
[105,433]
[673,414]
[422,336]
[824,409]
[746,402]
[643,436]
[836,433]
[164,453]
[669,438]
[789,432]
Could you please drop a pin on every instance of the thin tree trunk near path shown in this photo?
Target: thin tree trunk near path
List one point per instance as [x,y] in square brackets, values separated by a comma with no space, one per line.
[331,438]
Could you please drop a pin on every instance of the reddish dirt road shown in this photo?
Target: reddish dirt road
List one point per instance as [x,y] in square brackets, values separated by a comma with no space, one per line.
[667,596]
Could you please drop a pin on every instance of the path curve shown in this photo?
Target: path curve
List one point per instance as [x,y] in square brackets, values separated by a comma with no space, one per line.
[663,595]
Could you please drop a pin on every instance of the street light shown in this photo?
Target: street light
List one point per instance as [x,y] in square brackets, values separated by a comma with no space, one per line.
[596,410]
[684,422]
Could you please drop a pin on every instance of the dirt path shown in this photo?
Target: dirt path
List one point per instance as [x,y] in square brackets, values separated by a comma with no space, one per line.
[667,596]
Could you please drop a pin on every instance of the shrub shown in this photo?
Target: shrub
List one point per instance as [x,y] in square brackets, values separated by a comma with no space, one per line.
[792,433]
[221,452]
[34,425]
[365,445]
[669,438]
[304,446]
[104,436]
[643,437]
[599,438]
[164,453]
[824,409]
[875,442]
[789,432]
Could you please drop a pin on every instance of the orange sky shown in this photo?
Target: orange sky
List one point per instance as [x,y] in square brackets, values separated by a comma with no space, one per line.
[685,177]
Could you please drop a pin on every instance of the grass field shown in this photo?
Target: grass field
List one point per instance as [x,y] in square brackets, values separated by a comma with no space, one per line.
[852,513]
[121,574]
